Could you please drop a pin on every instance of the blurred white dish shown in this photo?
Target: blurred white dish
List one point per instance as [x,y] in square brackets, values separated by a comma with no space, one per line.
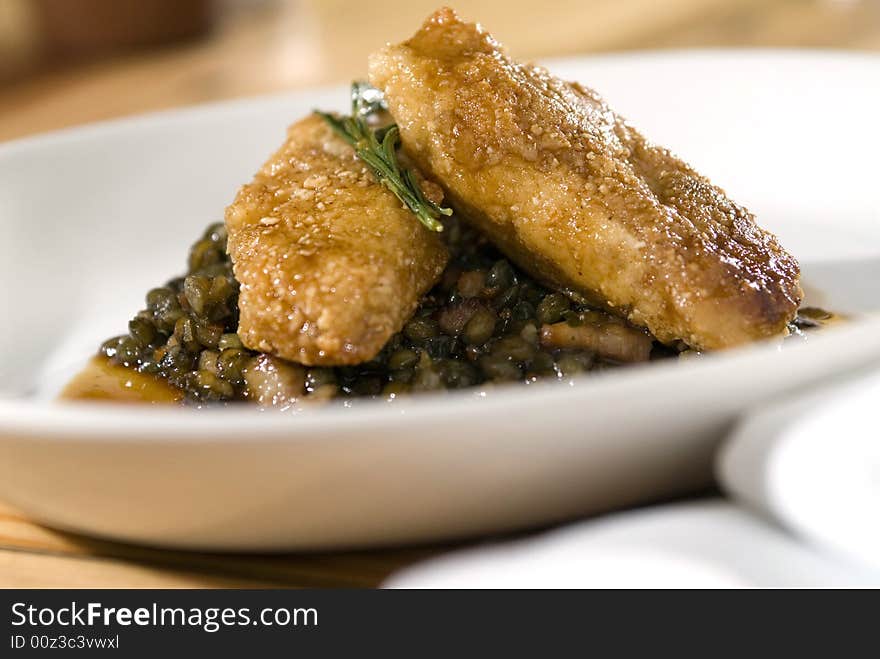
[812,463]
[94,217]
[706,544]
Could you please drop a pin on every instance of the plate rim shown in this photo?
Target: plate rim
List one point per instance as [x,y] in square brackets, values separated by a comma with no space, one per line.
[24,416]
[93,128]
[103,421]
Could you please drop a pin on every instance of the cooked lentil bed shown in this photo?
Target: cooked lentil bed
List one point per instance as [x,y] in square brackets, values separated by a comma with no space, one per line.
[481,324]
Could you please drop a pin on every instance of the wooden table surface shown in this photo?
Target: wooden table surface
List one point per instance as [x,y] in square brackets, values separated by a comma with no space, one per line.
[278,46]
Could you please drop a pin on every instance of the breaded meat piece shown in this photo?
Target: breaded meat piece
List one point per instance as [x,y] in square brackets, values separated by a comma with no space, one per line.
[330,263]
[575,195]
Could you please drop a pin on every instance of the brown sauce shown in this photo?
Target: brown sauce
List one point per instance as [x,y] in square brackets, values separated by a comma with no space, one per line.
[101,380]
[819,316]
[812,318]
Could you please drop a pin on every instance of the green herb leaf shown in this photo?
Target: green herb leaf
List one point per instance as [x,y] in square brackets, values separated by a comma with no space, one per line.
[377,148]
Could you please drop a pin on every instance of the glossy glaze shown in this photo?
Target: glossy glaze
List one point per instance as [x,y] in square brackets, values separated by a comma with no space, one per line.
[103,381]
[576,195]
[330,263]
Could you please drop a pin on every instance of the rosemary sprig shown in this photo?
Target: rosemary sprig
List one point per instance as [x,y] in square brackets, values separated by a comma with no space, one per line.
[377,148]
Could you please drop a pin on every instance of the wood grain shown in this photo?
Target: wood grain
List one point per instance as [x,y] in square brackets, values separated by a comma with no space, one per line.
[299,43]
[35,556]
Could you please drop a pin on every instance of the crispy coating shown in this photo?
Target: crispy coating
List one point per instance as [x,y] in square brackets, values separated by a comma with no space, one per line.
[330,263]
[577,196]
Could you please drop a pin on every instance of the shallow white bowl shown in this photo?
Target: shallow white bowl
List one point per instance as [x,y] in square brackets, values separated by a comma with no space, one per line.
[94,217]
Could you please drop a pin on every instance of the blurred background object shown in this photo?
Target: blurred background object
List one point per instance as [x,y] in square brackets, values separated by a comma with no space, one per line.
[89,27]
[64,62]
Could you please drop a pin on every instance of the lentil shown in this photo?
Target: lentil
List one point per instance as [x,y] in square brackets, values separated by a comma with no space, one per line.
[481,323]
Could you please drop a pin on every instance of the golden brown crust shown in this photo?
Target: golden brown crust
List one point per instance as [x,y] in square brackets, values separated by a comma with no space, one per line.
[330,263]
[577,196]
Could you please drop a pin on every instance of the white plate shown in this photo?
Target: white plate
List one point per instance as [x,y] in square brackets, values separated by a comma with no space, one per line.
[711,543]
[94,217]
